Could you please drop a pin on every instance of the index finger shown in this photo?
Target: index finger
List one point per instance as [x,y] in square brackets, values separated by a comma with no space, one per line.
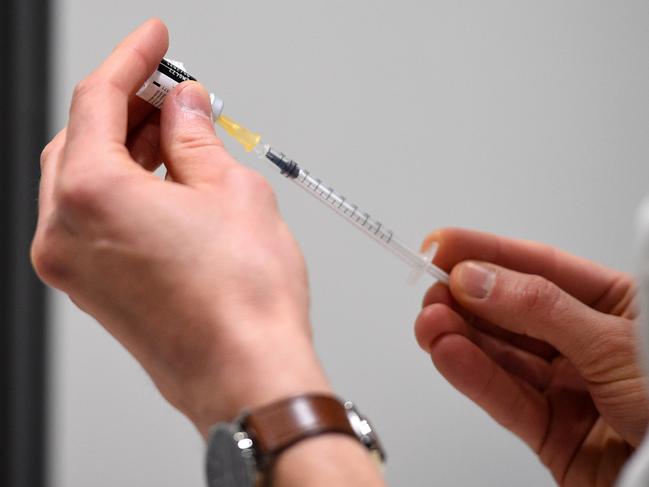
[583,279]
[99,111]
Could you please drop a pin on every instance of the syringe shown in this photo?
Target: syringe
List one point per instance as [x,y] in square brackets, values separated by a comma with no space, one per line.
[170,73]
[420,263]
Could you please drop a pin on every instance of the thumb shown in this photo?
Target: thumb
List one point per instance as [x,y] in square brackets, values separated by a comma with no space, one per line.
[192,152]
[534,306]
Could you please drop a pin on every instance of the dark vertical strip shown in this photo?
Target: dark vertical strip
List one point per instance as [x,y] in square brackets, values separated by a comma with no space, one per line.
[5,14]
[23,131]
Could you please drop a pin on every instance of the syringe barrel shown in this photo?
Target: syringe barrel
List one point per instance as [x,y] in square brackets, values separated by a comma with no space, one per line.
[364,222]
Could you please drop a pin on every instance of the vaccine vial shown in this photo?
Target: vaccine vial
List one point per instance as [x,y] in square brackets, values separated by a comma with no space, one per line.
[165,78]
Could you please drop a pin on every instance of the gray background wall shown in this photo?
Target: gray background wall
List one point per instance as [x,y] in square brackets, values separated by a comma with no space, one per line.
[524,118]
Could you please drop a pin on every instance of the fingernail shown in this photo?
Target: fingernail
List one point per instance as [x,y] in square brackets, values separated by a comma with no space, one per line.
[430,241]
[194,99]
[476,280]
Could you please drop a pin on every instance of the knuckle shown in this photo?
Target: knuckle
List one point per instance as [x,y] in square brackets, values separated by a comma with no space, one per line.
[428,325]
[235,179]
[84,87]
[80,194]
[46,152]
[56,144]
[91,86]
[518,408]
[538,295]
[46,256]
[53,145]
[611,351]
[259,184]
[248,183]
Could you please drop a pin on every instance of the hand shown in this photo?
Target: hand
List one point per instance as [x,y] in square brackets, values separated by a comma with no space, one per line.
[544,343]
[197,276]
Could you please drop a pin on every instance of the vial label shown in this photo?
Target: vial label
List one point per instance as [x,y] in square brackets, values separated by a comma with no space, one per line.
[162,81]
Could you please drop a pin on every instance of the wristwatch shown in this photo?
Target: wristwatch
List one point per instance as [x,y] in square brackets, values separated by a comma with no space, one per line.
[241,453]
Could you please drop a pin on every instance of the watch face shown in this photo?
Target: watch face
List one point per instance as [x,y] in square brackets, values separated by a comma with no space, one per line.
[364,431]
[228,465]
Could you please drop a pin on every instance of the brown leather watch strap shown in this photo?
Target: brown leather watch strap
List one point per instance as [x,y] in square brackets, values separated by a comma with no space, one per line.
[275,427]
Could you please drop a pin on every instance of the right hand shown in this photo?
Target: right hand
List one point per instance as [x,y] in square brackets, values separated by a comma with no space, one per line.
[544,342]
[197,276]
